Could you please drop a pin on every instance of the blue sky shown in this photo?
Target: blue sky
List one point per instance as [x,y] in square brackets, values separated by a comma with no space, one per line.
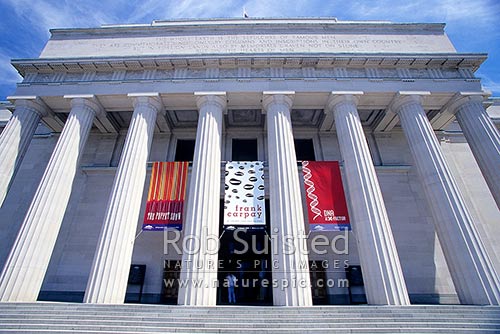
[472,25]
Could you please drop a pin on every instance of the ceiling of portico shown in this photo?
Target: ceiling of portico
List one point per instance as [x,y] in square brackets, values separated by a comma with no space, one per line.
[245,110]
[241,118]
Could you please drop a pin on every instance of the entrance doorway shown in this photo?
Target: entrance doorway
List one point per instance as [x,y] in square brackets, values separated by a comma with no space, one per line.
[170,282]
[246,254]
[317,274]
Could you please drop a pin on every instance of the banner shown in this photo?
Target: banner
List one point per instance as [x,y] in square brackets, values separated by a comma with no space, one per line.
[167,191]
[326,204]
[244,194]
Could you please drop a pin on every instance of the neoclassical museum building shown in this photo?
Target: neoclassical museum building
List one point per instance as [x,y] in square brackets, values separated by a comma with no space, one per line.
[178,162]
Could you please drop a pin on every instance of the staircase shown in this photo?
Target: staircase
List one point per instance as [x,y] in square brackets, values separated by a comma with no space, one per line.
[47,317]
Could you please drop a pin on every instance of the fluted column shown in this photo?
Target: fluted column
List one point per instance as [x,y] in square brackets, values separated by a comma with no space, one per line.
[472,272]
[483,138]
[199,260]
[16,137]
[108,278]
[29,258]
[382,274]
[290,264]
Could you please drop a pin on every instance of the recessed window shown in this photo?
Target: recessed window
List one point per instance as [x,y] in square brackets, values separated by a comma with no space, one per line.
[304,149]
[184,150]
[244,150]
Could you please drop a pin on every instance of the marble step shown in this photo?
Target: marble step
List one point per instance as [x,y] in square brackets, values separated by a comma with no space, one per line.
[50,317]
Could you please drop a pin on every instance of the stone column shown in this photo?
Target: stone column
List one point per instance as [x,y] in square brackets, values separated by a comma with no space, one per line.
[382,274]
[483,138]
[16,137]
[108,278]
[287,217]
[23,274]
[472,272]
[201,226]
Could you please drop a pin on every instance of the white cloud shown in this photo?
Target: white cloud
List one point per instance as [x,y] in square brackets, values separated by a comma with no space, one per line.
[43,15]
[8,74]
[300,8]
[482,12]
[462,10]
[489,83]
[157,9]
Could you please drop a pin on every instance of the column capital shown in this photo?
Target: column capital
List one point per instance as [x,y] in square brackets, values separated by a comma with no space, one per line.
[403,98]
[277,97]
[338,97]
[214,98]
[88,101]
[462,98]
[151,99]
[32,102]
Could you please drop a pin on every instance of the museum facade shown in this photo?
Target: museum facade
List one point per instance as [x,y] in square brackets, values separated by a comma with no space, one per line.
[394,105]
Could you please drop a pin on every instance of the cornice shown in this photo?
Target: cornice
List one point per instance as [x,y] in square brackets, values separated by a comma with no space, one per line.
[434,60]
[231,25]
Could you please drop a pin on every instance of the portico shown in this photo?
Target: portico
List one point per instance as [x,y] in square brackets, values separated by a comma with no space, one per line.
[145,104]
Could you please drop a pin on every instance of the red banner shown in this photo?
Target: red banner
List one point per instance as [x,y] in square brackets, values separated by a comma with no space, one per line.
[167,191]
[326,204]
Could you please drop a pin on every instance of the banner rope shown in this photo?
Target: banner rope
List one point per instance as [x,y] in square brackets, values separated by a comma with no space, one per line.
[138,234]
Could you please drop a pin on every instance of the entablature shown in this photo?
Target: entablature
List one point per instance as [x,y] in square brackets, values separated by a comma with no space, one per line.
[244,110]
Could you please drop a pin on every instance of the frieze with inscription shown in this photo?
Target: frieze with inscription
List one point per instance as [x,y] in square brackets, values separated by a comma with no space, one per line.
[246,44]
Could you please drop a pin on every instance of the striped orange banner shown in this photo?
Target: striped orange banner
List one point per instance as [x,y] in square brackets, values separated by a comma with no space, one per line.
[167,191]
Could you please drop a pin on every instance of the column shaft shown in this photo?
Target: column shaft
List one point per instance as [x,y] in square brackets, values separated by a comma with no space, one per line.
[484,140]
[29,258]
[15,139]
[108,278]
[199,260]
[287,218]
[382,274]
[472,272]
